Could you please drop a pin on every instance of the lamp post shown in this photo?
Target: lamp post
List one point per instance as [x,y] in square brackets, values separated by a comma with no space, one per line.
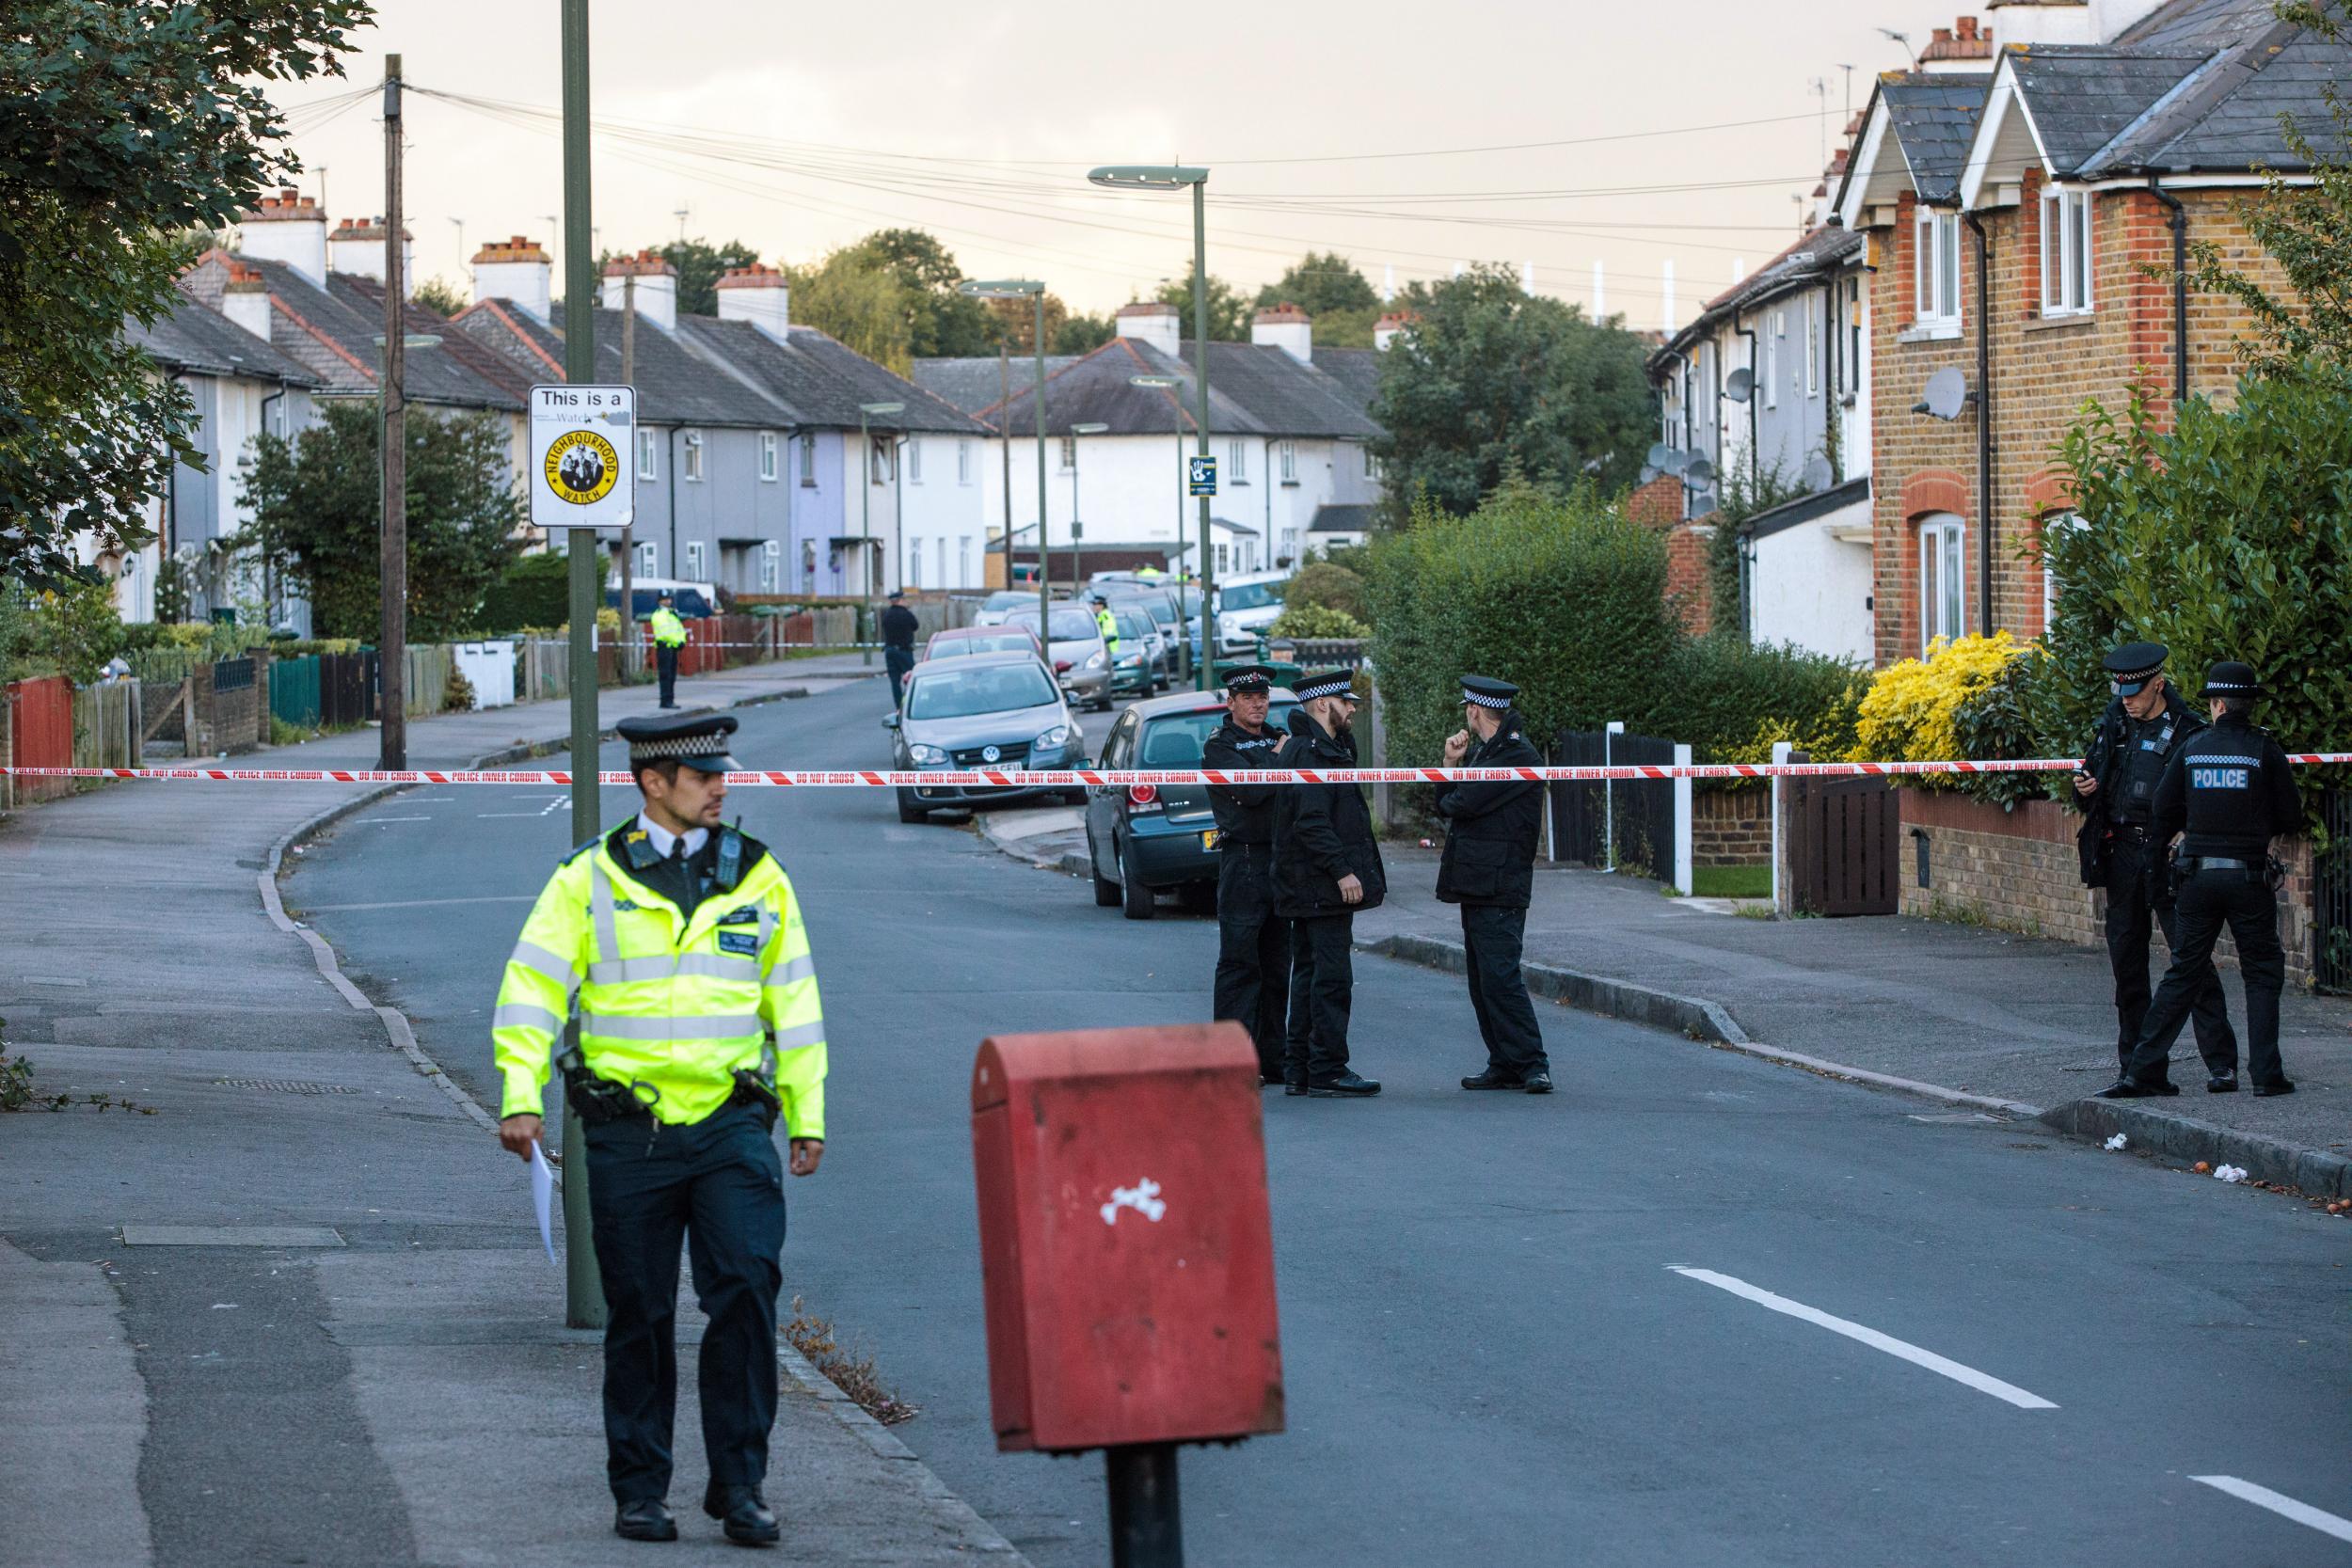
[865,502]
[1175,177]
[1077,530]
[1017,288]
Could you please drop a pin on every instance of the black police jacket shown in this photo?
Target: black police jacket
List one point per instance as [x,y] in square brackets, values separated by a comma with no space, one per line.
[2232,790]
[1322,832]
[1245,812]
[1492,829]
[2110,761]
[899,626]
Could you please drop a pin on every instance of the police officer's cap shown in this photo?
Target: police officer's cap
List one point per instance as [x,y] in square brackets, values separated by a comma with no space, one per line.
[2134,665]
[1253,679]
[1326,683]
[898,593]
[2227,678]
[665,595]
[1488,692]
[697,737]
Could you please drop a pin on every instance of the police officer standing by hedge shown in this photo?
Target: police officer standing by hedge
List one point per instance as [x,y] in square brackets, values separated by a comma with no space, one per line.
[2232,788]
[2143,728]
[899,626]
[669,636]
[1253,945]
[1327,867]
[1489,870]
[699,1029]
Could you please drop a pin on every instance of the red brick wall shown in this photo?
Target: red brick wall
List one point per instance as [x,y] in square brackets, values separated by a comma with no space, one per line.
[1687,587]
[1659,504]
[1731,827]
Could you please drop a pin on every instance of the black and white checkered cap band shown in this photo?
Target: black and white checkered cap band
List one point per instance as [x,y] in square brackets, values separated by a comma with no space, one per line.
[685,746]
[2229,685]
[2147,674]
[1485,701]
[1343,687]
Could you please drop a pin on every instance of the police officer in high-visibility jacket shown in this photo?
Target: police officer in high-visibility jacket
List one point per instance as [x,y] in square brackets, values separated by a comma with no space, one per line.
[699,1031]
[669,636]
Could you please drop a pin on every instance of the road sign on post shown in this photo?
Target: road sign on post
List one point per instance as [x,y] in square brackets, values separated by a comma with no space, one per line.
[583,457]
[1200,476]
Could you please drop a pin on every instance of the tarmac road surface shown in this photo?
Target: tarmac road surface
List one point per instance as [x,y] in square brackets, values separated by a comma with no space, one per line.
[1692,1308]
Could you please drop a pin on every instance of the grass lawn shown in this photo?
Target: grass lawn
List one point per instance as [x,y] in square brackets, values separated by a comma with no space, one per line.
[1732,881]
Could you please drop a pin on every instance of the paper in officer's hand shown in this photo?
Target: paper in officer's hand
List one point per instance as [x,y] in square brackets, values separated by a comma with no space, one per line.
[543,1196]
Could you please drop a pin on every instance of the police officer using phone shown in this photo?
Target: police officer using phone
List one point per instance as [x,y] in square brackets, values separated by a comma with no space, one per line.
[2144,727]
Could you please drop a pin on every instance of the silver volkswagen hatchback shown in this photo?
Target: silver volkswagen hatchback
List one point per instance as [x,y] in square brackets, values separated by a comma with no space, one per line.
[1000,711]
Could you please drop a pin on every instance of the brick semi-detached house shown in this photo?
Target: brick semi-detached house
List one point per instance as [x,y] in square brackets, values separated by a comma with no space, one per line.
[2013,220]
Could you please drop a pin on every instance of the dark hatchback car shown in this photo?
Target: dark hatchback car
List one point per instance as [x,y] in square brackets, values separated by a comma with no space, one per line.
[984,710]
[1144,838]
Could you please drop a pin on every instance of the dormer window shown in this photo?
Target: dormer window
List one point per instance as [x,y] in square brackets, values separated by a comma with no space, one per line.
[2065,251]
[1937,267]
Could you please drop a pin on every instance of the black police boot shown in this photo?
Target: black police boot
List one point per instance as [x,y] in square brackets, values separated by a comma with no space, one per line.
[2221,1083]
[1348,1085]
[1492,1079]
[743,1514]
[645,1519]
[2132,1088]
[1537,1081]
[2276,1086]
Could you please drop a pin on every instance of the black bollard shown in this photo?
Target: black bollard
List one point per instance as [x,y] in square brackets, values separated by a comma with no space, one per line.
[1147,1525]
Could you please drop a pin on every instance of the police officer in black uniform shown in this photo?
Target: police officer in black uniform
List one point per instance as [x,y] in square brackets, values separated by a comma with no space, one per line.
[2232,788]
[2143,728]
[899,626]
[1327,867]
[1489,870]
[1253,945]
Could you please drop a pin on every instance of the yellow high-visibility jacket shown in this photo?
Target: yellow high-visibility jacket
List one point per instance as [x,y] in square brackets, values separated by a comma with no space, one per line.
[668,630]
[672,1003]
[1108,625]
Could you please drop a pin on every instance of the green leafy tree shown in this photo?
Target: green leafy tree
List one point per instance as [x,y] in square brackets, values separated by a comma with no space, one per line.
[1322,283]
[75,628]
[314,501]
[1083,334]
[1229,310]
[942,321]
[441,296]
[699,266]
[861,300]
[121,124]
[1493,380]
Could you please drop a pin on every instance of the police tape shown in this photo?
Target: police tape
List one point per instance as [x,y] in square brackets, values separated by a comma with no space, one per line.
[1112,778]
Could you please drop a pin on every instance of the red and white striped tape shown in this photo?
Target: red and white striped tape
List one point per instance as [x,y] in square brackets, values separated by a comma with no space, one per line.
[1072,778]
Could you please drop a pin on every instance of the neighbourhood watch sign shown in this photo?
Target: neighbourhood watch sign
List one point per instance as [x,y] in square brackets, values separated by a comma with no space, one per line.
[583,448]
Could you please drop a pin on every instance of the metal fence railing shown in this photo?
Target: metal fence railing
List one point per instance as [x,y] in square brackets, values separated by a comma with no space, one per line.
[2331,896]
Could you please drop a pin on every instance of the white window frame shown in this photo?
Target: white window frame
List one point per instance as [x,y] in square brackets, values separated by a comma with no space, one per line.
[2052,522]
[1813,344]
[1943,579]
[648,456]
[1288,454]
[1224,559]
[915,560]
[1371,464]
[1237,460]
[771,566]
[914,460]
[768,457]
[963,459]
[808,458]
[963,561]
[940,549]
[1068,454]
[2066,251]
[691,468]
[1936,270]
[648,560]
[1776,329]
[877,454]
[697,562]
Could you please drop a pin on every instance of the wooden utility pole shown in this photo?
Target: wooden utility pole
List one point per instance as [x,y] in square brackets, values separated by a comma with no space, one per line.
[632,645]
[391,656]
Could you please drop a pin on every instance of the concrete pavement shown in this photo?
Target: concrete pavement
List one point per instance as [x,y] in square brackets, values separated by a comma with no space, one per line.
[344,1344]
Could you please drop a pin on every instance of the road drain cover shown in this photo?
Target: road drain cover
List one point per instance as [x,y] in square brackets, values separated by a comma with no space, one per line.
[284,1085]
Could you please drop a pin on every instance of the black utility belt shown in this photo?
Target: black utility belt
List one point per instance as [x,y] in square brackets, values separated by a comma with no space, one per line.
[2225,869]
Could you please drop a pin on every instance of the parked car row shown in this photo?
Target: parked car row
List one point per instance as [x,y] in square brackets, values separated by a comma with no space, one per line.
[1144,838]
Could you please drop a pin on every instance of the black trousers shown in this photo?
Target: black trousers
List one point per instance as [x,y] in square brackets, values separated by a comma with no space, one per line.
[897,661]
[2131,917]
[1323,987]
[718,1182]
[665,669]
[2209,901]
[1253,949]
[1491,939]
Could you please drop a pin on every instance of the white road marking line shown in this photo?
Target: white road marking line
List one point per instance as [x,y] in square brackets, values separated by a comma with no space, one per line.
[397,819]
[555,805]
[2280,1504]
[1902,1349]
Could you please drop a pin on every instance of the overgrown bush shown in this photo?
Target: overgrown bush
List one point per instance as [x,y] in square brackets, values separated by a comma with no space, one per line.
[72,631]
[1307,620]
[2007,720]
[1908,713]
[533,591]
[1732,701]
[1323,586]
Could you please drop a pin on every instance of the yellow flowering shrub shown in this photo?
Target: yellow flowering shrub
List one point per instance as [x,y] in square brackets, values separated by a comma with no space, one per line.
[1906,715]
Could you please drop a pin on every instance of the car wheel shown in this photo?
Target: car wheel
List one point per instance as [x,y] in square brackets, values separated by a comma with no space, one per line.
[1135,900]
[909,811]
[1106,890]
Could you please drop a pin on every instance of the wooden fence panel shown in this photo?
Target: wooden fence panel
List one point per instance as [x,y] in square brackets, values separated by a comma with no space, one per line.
[40,735]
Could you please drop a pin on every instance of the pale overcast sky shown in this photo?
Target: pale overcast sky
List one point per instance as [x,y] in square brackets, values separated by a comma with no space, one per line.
[980,122]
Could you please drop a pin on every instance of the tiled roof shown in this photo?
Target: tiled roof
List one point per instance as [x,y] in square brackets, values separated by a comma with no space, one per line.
[1935,118]
[1821,252]
[977,383]
[817,380]
[198,338]
[675,387]
[1356,368]
[2083,98]
[1337,519]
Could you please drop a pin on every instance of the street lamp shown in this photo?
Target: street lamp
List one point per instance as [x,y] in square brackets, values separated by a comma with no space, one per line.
[1175,177]
[1017,288]
[866,491]
[1077,530]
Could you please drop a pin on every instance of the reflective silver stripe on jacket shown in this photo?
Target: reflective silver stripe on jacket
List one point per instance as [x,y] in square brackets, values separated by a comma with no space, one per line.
[791,969]
[721,1026]
[540,961]
[767,925]
[712,966]
[801,1035]
[524,1015]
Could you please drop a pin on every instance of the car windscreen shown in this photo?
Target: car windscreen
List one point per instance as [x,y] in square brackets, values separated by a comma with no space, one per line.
[1251,595]
[1158,605]
[991,688]
[1175,740]
[1000,642]
[1008,599]
[1132,623]
[1069,625]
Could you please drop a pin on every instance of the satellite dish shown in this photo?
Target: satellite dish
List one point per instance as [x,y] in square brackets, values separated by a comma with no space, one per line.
[1649,475]
[1677,461]
[1817,476]
[1701,473]
[1740,385]
[1946,394]
[1657,453]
